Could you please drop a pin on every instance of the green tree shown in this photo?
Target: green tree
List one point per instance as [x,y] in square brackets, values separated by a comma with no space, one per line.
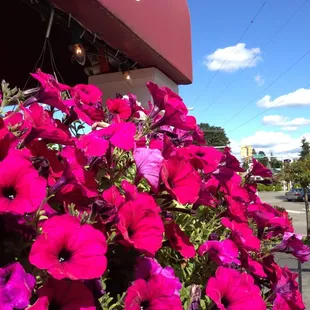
[264,160]
[286,173]
[245,165]
[214,135]
[274,162]
[300,173]
[305,148]
[254,152]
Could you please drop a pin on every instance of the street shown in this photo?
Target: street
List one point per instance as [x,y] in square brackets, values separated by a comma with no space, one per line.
[297,212]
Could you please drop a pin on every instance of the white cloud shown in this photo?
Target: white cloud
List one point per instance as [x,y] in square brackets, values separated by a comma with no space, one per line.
[300,97]
[285,122]
[281,144]
[233,58]
[259,80]
[289,128]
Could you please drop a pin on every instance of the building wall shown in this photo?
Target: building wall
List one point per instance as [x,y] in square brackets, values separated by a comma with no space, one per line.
[112,83]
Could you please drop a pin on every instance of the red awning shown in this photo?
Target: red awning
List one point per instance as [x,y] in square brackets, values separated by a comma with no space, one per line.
[154,33]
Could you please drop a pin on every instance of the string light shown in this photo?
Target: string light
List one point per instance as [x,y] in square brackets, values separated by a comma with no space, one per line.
[127,75]
[79,53]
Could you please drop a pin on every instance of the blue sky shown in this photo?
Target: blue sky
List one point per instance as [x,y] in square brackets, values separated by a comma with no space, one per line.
[250,68]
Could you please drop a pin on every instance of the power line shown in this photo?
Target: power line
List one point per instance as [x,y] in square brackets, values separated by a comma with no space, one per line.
[270,85]
[241,37]
[255,57]
[261,113]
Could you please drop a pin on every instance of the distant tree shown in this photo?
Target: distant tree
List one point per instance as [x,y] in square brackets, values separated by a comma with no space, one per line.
[245,165]
[264,160]
[305,148]
[286,173]
[214,135]
[254,152]
[300,173]
[274,162]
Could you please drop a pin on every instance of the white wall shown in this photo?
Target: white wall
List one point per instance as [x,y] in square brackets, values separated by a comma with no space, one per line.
[112,83]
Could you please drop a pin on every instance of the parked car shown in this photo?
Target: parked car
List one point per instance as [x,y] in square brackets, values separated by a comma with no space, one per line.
[296,194]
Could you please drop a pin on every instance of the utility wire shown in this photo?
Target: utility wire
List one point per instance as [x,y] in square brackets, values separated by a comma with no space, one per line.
[261,113]
[241,37]
[270,85]
[255,57]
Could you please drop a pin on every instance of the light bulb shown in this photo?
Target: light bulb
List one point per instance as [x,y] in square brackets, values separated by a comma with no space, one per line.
[79,53]
[127,75]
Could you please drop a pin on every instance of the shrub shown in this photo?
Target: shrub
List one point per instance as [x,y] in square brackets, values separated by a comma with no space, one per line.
[136,213]
[261,187]
[269,188]
[278,188]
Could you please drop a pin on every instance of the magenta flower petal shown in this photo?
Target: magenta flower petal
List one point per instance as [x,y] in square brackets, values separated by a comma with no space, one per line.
[141,225]
[67,249]
[22,190]
[286,290]
[15,287]
[222,252]
[149,163]
[120,135]
[232,290]
[293,244]
[260,170]
[149,267]
[155,294]
[181,180]
[242,235]
[120,108]
[92,145]
[64,294]
[179,240]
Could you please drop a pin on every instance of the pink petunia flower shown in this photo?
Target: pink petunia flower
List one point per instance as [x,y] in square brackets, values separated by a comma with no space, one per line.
[260,170]
[280,303]
[292,243]
[155,294]
[141,225]
[149,163]
[178,240]
[55,165]
[242,235]
[64,294]
[120,135]
[149,267]
[253,266]
[92,145]
[236,209]
[266,215]
[15,287]
[50,91]
[181,180]
[120,108]
[88,94]
[67,249]
[222,252]
[42,125]
[202,157]
[232,290]
[176,116]
[231,161]
[22,190]
[207,194]
[76,172]
[286,289]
